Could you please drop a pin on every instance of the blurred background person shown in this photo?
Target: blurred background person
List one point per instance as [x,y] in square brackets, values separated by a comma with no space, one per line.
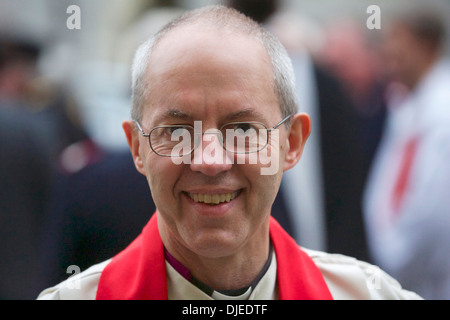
[38,120]
[33,130]
[17,70]
[407,203]
[26,166]
[94,213]
[351,52]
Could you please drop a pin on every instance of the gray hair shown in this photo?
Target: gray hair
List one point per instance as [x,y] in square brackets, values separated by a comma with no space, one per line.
[228,19]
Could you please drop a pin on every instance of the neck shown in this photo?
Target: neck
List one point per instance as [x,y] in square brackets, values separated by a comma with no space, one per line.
[228,272]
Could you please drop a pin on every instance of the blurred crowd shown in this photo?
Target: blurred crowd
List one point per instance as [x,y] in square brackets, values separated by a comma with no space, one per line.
[373,182]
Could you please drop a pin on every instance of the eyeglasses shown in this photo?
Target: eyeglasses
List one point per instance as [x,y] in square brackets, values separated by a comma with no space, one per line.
[235,137]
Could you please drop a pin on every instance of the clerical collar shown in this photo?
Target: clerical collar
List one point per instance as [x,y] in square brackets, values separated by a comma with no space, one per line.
[241,294]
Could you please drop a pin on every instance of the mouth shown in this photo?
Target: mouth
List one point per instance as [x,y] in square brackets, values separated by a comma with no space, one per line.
[213,199]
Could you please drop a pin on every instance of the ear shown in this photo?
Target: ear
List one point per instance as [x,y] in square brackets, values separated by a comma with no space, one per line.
[298,134]
[132,135]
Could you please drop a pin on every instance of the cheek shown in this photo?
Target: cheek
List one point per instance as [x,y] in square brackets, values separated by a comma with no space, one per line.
[268,187]
[161,175]
[263,187]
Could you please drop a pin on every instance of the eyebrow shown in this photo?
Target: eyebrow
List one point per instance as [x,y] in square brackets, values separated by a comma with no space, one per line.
[247,114]
[174,114]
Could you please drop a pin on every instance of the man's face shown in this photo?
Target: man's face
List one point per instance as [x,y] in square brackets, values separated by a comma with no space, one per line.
[196,76]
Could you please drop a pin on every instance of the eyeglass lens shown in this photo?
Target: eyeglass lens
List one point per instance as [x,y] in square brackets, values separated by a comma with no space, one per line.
[239,137]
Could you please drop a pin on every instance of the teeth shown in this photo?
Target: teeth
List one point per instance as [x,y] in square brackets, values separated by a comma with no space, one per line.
[213,198]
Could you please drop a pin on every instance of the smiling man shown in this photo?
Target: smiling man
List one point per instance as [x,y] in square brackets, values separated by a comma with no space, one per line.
[212,236]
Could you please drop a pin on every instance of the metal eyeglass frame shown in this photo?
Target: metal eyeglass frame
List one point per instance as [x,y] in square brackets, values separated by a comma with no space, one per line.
[147,135]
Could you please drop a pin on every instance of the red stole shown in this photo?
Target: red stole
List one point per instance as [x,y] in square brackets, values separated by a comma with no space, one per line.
[139,271]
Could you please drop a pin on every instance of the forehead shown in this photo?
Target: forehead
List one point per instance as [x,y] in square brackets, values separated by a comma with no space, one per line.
[202,41]
[202,69]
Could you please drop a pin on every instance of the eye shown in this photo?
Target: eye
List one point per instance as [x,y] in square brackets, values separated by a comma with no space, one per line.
[170,133]
[243,128]
[175,131]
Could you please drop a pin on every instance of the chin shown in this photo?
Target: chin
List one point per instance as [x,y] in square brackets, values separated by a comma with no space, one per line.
[216,243]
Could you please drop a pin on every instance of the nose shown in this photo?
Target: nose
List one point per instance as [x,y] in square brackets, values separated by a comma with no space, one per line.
[210,158]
